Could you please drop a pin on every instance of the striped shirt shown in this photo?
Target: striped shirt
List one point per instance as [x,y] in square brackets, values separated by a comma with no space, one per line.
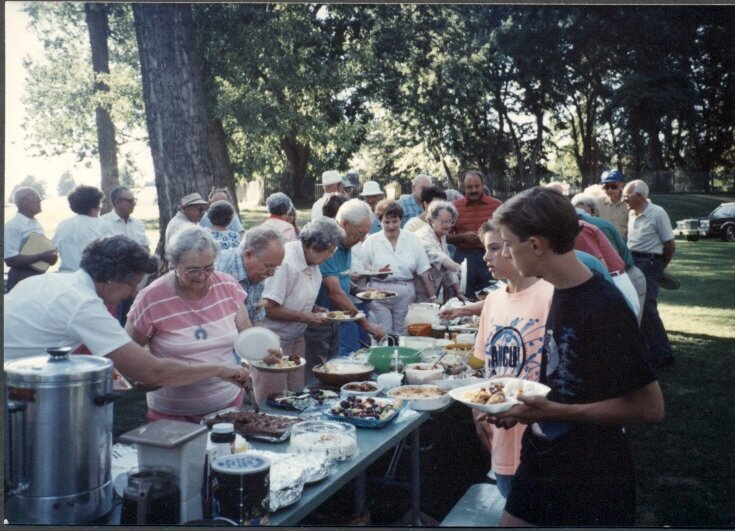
[171,322]
[471,217]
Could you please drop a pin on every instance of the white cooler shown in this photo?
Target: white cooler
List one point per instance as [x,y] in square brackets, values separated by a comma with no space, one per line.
[180,446]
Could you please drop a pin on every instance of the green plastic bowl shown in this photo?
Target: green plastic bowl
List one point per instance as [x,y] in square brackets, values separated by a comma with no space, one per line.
[379,357]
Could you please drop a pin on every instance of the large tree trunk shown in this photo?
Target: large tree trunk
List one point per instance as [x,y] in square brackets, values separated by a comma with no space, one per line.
[176,112]
[97,24]
[297,158]
[223,177]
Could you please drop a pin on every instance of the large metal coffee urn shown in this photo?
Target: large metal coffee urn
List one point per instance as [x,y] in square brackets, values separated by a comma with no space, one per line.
[58,438]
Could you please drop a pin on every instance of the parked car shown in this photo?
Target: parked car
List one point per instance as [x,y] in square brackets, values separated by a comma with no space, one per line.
[720,222]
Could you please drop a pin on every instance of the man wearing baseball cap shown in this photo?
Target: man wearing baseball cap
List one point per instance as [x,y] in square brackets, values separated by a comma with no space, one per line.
[191,209]
[331,182]
[612,208]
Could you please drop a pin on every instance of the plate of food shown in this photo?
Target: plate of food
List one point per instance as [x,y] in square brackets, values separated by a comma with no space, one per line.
[374,294]
[422,397]
[344,316]
[365,412]
[282,365]
[264,426]
[361,389]
[498,394]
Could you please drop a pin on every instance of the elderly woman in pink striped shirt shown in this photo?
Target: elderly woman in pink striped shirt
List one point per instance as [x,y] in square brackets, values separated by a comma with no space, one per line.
[193,314]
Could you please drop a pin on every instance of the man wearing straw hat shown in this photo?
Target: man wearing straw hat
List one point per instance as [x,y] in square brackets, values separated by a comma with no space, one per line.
[371,194]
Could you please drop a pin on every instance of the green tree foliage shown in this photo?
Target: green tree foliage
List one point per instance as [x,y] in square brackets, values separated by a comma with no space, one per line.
[66,183]
[284,82]
[60,100]
[32,182]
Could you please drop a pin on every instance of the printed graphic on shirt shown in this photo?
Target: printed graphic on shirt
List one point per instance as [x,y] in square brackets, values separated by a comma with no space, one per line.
[515,350]
[560,359]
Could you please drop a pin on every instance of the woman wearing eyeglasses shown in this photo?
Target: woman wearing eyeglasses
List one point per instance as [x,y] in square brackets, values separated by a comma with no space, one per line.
[441,216]
[192,314]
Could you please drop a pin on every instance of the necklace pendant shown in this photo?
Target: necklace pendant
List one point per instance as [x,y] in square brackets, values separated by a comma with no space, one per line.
[200,333]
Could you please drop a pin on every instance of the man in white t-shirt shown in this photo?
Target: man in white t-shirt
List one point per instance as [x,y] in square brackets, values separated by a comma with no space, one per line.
[16,232]
[331,182]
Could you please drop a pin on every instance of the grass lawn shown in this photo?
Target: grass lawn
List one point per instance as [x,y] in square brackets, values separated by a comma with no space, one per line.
[685,466]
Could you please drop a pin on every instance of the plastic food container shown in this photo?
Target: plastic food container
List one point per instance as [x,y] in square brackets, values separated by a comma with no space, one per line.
[422,373]
[336,441]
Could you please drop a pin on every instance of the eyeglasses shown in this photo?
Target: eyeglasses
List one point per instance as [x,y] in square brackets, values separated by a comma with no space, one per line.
[128,199]
[198,271]
[199,208]
[611,186]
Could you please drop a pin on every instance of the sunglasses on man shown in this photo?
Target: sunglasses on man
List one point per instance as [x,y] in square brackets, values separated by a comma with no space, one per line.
[611,186]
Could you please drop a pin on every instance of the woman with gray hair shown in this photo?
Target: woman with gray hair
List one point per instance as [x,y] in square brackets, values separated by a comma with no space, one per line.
[441,215]
[279,206]
[193,314]
[586,202]
[289,297]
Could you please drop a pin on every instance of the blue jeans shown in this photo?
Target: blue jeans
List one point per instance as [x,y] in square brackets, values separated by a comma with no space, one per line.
[651,325]
[348,338]
[503,482]
[478,277]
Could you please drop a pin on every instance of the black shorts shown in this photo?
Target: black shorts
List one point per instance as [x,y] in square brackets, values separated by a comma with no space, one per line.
[584,478]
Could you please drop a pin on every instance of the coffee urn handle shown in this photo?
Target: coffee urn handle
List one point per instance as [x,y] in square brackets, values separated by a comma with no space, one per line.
[107,398]
[14,445]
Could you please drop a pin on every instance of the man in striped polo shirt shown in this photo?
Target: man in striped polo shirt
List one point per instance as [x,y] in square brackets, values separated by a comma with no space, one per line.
[474,209]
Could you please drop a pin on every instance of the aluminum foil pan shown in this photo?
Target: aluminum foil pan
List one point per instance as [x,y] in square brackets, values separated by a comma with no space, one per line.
[289,474]
[287,484]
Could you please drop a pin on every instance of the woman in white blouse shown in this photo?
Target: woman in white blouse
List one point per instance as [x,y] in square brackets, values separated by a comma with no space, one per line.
[406,257]
[441,216]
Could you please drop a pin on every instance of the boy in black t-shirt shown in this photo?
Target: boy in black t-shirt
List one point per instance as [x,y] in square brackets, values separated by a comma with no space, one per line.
[575,465]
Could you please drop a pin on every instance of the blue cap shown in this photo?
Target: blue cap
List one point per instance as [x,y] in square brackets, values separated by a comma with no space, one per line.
[611,176]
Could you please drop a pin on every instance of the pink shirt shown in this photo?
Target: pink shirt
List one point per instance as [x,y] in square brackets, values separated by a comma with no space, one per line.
[279,225]
[170,323]
[295,286]
[510,340]
[593,241]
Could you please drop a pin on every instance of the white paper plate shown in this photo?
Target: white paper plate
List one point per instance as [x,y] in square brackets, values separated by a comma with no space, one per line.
[529,388]
[253,344]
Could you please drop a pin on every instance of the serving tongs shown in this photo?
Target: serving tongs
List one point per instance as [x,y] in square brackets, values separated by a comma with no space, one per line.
[253,400]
